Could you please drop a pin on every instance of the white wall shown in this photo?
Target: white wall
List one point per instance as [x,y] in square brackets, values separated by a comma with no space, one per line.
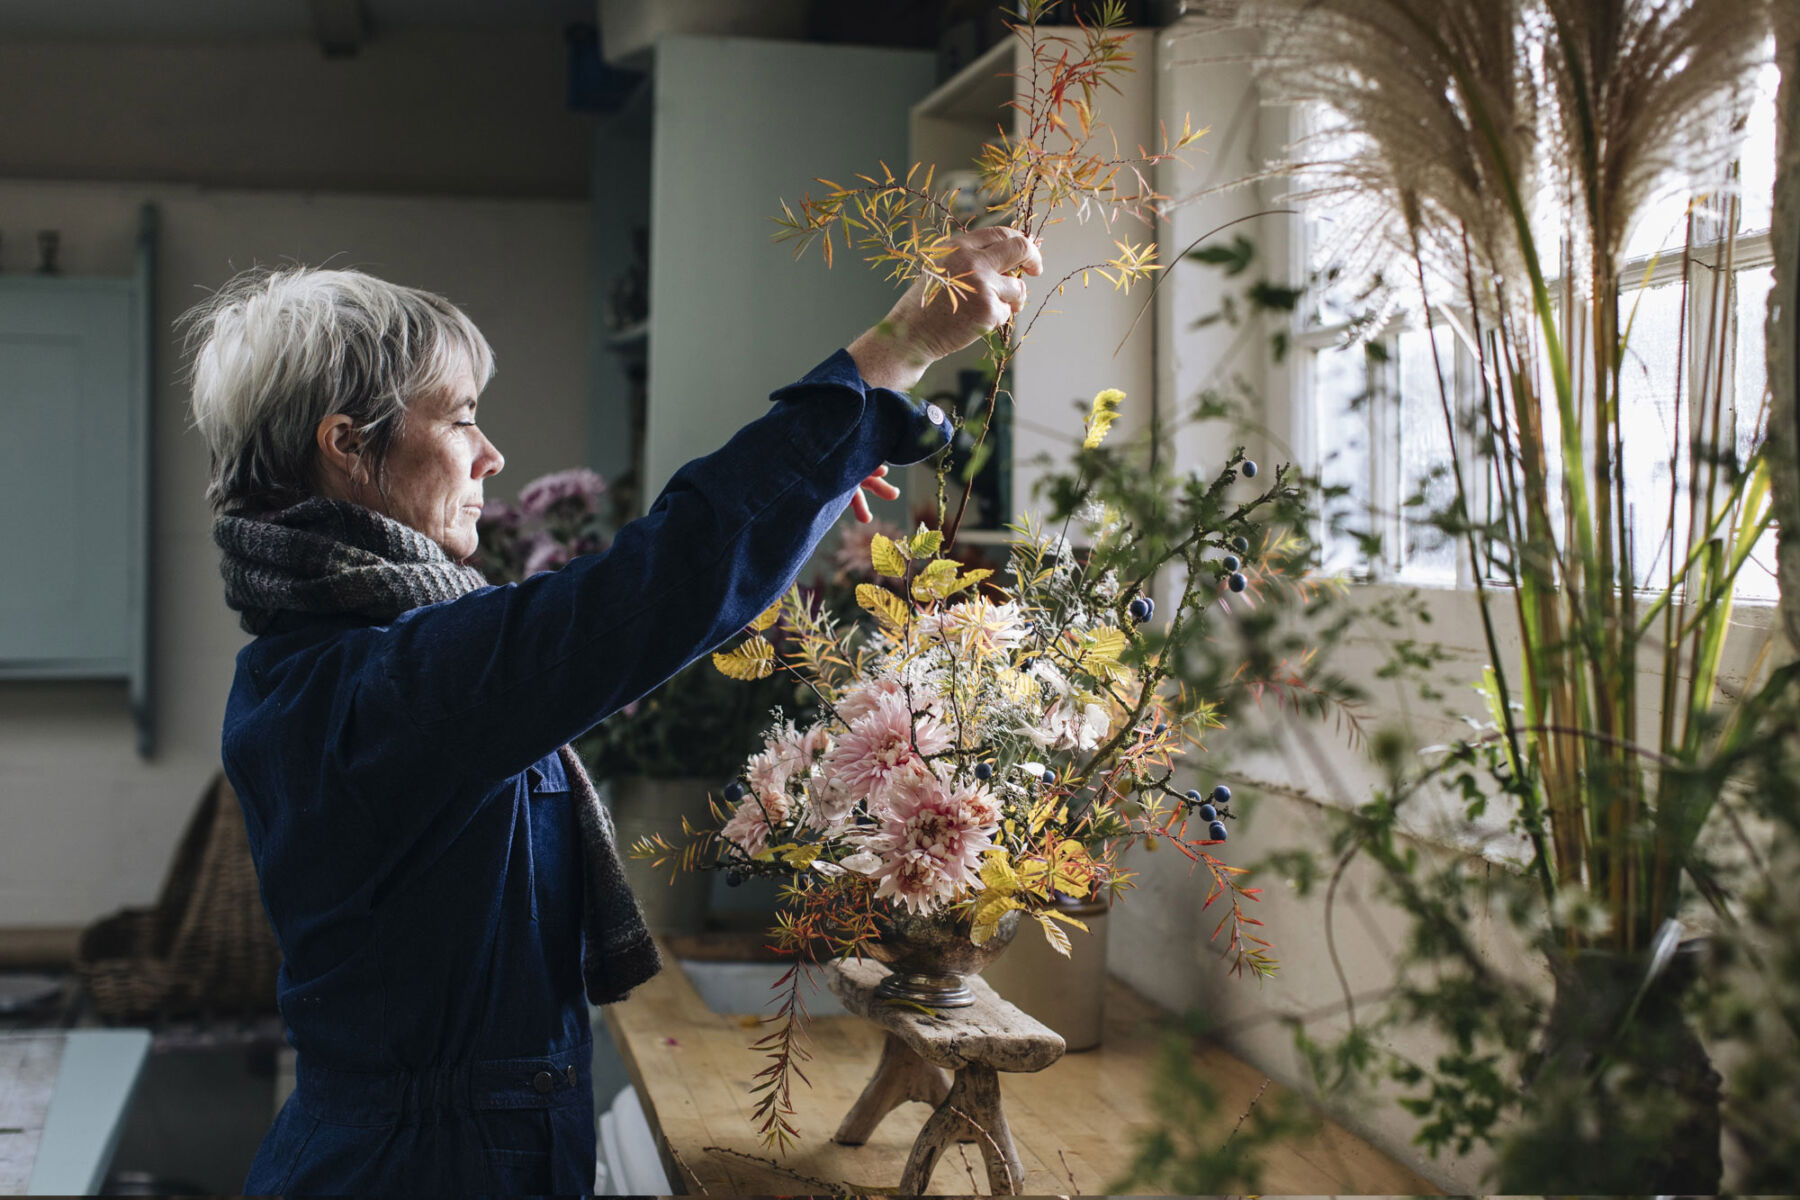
[88,826]
[741,124]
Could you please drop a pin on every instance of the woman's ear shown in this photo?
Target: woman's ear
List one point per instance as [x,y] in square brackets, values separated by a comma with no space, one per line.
[340,451]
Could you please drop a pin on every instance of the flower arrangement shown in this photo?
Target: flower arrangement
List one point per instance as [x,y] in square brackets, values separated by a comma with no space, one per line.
[989,740]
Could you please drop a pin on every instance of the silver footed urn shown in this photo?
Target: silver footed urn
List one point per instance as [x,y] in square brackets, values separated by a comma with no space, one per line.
[928,956]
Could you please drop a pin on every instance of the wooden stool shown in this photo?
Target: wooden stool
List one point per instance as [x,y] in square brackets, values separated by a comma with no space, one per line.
[917,1059]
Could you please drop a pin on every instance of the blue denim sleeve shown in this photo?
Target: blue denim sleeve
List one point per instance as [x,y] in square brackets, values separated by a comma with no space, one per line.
[495,680]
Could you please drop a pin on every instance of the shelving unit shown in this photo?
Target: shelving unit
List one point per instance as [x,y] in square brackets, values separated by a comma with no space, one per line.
[1071,352]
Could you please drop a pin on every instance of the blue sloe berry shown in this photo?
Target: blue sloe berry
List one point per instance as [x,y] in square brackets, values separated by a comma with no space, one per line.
[1193,796]
[734,792]
[1217,830]
[984,770]
[1208,813]
[1232,563]
[1241,544]
[1139,609]
[1250,468]
[1237,582]
[1221,795]
[734,879]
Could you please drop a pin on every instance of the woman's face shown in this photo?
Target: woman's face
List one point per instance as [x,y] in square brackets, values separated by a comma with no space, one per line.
[432,480]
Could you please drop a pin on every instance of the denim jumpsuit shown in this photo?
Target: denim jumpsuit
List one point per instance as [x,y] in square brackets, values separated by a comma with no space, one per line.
[411,822]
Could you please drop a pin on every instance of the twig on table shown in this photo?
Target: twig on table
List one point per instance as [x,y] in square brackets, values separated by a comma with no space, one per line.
[1246,1113]
[683,1168]
[1012,1185]
[835,1189]
[1074,1188]
[963,1149]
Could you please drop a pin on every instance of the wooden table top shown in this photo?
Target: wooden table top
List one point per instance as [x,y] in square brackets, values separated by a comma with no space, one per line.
[1074,1122]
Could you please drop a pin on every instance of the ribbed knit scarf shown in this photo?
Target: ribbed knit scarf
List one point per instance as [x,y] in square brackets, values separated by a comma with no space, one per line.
[332,557]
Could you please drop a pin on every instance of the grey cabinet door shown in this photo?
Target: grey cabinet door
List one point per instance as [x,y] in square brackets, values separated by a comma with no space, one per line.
[70,456]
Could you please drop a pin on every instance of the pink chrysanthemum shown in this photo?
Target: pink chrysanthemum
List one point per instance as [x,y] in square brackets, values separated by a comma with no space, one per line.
[748,828]
[865,698]
[886,748]
[976,805]
[930,849]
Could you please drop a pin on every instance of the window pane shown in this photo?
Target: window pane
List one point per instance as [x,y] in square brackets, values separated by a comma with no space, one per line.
[1427,484]
[1757,579]
[1341,408]
[1757,158]
[1653,430]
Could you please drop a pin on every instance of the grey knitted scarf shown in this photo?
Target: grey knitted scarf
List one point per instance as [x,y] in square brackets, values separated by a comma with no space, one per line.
[332,557]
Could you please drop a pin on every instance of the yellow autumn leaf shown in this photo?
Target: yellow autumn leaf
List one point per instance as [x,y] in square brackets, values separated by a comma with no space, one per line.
[768,618]
[1101,650]
[886,556]
[925,542]
[755,659]
[1073,872]
[985,920]
[997,875]
[1101,416]
[937,580]
[888,608]
[802,857]
[1059,941]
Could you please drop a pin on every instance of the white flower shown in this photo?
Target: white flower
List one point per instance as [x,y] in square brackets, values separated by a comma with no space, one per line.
[1034,769]
[863,862]
[1070,726]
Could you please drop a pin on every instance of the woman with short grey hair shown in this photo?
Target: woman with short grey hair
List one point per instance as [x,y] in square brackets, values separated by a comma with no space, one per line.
[437,868]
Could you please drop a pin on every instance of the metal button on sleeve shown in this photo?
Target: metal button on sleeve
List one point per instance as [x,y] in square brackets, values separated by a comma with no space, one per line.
[543,1082]
[569,1074]
[934,414]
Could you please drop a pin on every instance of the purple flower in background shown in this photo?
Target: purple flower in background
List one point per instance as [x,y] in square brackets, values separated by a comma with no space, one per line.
[544,553]
[498,514]
[578,483]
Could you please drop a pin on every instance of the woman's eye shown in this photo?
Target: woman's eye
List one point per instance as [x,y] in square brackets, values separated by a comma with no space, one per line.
[465,424]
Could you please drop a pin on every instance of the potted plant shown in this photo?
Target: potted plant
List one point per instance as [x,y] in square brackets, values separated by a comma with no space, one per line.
[1502,150]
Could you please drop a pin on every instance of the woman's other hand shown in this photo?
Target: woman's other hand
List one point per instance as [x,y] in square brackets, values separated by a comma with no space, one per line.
[859,503]
[916,333]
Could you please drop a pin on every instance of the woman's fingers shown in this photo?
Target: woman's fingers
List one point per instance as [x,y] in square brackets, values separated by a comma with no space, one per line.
[876,483]
[1011,292]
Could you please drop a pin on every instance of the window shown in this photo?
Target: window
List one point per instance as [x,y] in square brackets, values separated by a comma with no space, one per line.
[1377,413]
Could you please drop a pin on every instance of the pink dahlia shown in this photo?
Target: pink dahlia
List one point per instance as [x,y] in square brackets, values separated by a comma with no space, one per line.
[865,698]
[885,749]
[748,828]
[930,849]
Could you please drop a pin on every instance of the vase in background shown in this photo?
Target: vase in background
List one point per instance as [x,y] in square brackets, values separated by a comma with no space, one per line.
[1067,994]
[642,806]
[929,956]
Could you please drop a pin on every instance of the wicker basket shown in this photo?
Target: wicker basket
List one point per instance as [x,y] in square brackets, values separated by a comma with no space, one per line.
[205,948]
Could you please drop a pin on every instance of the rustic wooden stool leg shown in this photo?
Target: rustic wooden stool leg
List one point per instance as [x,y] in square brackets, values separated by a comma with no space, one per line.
[901,1076]
[970,1113]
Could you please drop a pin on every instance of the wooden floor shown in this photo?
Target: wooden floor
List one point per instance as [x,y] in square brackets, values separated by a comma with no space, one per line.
[1075,1123]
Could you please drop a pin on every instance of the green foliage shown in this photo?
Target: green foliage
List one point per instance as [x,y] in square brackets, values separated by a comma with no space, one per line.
[1198,1147]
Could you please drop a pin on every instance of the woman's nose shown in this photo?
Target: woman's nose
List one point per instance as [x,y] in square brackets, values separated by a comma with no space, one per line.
[489,461]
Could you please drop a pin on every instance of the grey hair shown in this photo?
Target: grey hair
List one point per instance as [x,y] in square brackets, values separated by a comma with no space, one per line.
[275,352]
